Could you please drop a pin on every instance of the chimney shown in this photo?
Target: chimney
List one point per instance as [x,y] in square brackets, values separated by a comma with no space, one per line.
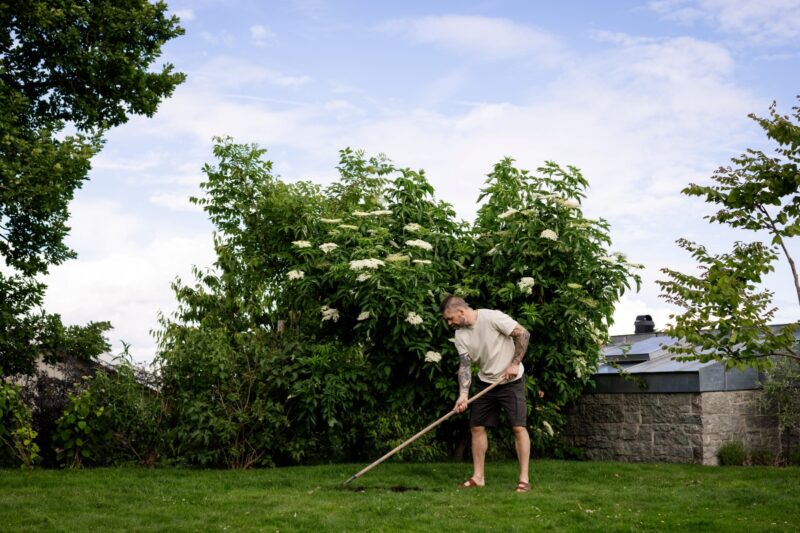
[644,324]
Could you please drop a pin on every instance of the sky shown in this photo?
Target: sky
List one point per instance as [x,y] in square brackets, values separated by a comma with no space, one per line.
[644,97]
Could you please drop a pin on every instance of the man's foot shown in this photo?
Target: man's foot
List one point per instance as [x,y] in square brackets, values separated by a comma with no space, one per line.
[469,484]
[523,486]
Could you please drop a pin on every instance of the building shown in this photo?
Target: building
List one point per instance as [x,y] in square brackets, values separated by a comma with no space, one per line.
[667,410]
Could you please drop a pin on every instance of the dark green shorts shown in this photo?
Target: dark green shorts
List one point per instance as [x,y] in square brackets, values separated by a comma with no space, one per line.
[485,411]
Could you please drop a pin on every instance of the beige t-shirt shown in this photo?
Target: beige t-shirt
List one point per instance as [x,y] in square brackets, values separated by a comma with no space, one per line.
[489,344]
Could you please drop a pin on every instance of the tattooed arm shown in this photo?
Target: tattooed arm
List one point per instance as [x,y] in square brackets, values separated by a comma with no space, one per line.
[464,381]
[520,336]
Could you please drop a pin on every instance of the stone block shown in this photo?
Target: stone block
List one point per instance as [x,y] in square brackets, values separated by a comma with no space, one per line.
[648,399]
[659,415]
[675,399]
[671,436]
[629,431]
[632,417]
[604,414]
[717,402]
[694,421]
[724,424]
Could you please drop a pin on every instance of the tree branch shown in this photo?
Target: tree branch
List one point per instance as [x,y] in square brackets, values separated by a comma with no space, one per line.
[785,251]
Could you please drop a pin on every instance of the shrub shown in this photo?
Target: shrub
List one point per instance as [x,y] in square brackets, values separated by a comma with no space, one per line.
[357,271]
[47,397]
[134,413]
[732,454]
[83,434]
[17,436]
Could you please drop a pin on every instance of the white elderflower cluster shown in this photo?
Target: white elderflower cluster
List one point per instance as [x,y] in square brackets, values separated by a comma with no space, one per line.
[422,261]
[526,285]
[361,264]
[330,220]
[417,243]
[608,259]
[549,234]
[296,274]
[364,276]
[548,428]
[414,319]
[302,244]
[397,258]
[508,213]
[347,226]
[329,313]
[328,247]
[364,315]
[569,204]
[532,212]
[413,226]
[381,212]
[433,357]
[494,250]
[574,285]
[361,214]
[580,366]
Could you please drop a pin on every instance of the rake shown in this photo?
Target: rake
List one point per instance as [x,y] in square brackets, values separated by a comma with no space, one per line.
[418,435]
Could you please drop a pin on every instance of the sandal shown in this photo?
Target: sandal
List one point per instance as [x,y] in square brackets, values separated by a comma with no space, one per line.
[469,484]
[522,486]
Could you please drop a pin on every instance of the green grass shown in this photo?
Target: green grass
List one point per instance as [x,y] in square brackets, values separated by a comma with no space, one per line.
[567,496]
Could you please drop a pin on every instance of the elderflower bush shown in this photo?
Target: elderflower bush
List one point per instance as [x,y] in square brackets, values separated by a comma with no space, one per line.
[363,264]
[539,260]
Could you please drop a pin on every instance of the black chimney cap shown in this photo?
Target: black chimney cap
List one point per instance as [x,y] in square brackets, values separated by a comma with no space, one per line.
[644,324]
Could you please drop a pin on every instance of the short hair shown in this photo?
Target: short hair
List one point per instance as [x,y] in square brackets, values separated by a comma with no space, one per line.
[452,301]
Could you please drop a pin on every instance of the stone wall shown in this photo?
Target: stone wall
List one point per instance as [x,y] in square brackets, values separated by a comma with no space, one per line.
[736,415]
[667,427]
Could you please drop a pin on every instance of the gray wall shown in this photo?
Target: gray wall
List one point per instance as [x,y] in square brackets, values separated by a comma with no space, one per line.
[668,427]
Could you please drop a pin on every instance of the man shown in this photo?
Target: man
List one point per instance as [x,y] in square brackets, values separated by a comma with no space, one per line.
[497,344]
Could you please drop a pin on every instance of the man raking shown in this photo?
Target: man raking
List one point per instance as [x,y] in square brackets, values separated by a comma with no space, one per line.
[497,344]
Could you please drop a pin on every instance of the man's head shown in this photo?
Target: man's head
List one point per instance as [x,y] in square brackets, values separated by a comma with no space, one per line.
[456,312]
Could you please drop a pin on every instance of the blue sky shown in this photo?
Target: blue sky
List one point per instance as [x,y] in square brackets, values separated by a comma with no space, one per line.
[643,96]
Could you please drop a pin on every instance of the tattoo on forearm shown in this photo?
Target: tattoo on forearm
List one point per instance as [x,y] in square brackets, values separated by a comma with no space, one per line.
[521,337]
[464,374]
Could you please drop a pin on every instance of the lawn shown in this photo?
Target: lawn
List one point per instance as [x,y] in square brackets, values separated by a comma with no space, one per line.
[567,496]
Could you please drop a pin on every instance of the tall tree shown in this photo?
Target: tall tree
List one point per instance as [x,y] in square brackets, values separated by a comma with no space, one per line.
[726,317]
[77,64]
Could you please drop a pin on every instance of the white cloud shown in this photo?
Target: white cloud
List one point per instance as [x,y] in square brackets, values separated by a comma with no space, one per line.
[184,14]
[484,37]
[100,227]
[762,22]
[218,38]
[261,35]
[176,201]
[127,286]
[230,72]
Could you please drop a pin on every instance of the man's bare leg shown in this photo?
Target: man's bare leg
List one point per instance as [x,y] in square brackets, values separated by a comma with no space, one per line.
[522,441]
[480,443]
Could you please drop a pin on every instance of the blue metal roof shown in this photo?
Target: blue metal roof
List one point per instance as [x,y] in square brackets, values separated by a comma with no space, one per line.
[647,360]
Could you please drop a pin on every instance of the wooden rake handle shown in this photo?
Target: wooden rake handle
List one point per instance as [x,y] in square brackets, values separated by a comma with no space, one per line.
[418,435]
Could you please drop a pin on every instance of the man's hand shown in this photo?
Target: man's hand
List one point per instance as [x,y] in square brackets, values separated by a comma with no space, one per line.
[461,404]
[511,372]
